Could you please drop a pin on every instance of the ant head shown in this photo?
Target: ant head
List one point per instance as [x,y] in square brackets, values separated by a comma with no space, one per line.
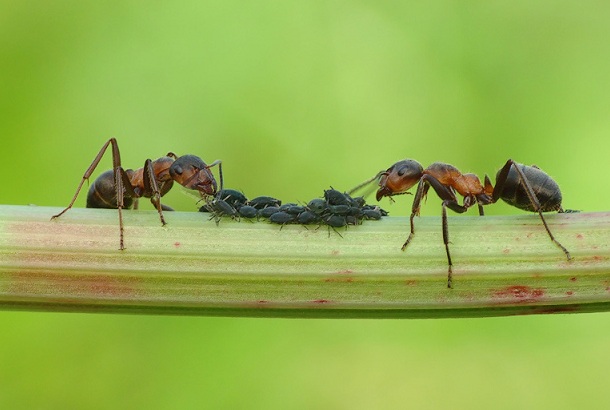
[399,178]
[191,172]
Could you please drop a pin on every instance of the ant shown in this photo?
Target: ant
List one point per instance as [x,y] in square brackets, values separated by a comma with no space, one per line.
[522,186]
[119,188]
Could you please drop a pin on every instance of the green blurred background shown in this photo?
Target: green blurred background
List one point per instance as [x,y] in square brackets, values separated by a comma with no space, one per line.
[295,96]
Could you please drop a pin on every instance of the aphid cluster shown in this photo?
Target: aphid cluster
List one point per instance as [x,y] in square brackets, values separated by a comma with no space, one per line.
[234,204]
[336,209]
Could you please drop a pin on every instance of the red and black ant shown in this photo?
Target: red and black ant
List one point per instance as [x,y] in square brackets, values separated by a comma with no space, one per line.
[521,186]
[119,188]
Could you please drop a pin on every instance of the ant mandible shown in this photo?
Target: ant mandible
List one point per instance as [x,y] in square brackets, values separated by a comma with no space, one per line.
[119,188]
[525,187]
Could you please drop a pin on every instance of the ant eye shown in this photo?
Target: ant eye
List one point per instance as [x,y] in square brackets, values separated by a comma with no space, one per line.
[401,171]
[177,169]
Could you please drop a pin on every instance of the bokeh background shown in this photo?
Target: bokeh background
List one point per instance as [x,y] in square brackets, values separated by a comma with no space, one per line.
[295,96]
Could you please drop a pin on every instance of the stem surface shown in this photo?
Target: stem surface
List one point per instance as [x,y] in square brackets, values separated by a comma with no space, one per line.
[502,265]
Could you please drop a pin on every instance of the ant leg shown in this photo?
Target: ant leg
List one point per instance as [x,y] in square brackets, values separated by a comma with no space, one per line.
[446,242]
[441,190]
[116,162]
[152,188]
[420,193]
[501,180]
[123,185]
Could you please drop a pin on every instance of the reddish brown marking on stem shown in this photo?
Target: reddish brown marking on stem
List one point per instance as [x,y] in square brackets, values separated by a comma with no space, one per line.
[505,251]
[518,293]
[579,236]
[411,282]
[177,244]
[321,301]
[340,280]
[573,279]
[569,293]
[74,285]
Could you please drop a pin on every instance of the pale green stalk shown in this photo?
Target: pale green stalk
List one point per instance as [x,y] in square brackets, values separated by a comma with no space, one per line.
[502,266]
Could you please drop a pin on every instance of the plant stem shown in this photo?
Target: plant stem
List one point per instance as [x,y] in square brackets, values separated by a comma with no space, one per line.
[502,265]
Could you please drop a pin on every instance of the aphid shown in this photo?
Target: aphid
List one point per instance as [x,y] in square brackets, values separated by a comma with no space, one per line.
[289,205]
[248,211]
[308,217]
[220,208]
[120,188]
[358,202]
[261,202]
[293,209]
[340,209]
[232,197]
[352,220]
[374,214]
[317,206]
[334,197]
[522,186]
[335,221]
[267,212]
[282,218]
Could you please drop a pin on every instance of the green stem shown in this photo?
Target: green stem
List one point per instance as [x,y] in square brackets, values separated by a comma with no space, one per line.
[502,266]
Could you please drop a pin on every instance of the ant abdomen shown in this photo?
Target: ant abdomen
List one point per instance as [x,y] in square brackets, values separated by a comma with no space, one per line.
[102,193]
[546,189]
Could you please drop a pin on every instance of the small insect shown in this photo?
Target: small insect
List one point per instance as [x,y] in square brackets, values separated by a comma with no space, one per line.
[318,206]
[120,188]
[247,211]
[308,217]
[282,218]
[337,209]
[268,211]
[334,197]
[292,209]
[372,213]
[522,186]
[261,202]
[233,197]
[219,208]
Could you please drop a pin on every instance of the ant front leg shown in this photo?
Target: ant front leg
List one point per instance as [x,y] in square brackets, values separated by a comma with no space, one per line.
[151,188]
[498,189]
[116,162]
[441,190]
[422,189]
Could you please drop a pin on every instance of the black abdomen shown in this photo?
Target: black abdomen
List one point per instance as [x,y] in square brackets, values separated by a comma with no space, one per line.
[546,189]
[102,193]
